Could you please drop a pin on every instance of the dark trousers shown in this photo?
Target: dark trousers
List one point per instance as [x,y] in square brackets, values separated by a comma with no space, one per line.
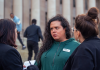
[19,38]
[31,45]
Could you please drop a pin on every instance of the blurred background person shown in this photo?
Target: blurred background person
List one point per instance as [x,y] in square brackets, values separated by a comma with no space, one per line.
[10,58]
[19,28]
[87,55]
[33,34]
[57,45]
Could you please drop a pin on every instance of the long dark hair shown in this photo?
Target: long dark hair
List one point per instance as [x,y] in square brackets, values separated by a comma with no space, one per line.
[86,24]
[7,32]
[48,39]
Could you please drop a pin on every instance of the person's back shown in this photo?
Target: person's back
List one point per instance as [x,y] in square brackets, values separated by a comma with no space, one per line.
[93,46]
[33,32]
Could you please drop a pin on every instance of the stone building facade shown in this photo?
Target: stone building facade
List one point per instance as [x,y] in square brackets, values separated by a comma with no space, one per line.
[43,10]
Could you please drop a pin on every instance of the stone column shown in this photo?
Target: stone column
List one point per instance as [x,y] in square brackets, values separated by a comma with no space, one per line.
[25,14]
[57,6]
[1,9]
[8,6]
[17,9]
[79,7]
[66,6]
[35,10]
[51,9]
[42,15]
[91,3]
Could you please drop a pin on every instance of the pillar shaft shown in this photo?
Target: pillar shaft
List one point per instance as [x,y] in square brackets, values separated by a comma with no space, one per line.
[35,10]
[91,3]
[51,8]
[67,10]
[1,9]
[79,7]
[17,9]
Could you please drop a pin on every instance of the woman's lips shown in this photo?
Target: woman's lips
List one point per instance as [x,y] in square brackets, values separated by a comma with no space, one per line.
[54,35]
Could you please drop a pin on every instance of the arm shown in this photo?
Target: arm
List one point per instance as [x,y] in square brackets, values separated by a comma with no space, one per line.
[40,33]
[25,33]
[18,21]
[12,60]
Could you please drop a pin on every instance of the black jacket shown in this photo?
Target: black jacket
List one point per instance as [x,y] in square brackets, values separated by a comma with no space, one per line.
[10,59]
[33,33]
[86,56]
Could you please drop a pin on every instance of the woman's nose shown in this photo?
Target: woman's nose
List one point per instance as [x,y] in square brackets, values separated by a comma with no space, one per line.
[54,30]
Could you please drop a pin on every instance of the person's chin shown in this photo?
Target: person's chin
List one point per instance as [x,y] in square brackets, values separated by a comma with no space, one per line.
[56,39]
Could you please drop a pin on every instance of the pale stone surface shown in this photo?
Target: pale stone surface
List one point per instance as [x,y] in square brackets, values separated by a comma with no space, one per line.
[67,10]
[8,8]
[57,6]
[35,10]
[51,8]
[79,7]
[1,9]
[17,9]
[91,3]
[42,15]
[25,14]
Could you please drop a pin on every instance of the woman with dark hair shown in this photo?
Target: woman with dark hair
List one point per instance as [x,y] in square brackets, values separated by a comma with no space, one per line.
[10,59]
[57,45]
[87,54]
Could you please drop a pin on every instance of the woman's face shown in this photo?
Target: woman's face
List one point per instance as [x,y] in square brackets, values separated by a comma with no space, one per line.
[15,34]
[57,31]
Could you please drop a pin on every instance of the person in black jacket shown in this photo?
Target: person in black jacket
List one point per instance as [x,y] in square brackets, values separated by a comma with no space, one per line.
[87,55]
[33,34]
[10,58]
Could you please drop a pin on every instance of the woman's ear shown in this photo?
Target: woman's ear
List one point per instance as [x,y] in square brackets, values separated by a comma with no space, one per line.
[78,34]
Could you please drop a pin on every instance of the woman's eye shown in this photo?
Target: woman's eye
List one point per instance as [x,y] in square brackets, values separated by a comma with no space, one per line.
[51,28]
[56,27]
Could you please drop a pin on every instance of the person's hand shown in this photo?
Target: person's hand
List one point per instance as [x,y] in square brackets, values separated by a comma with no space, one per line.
[18,32]
[15,47]
[24,66]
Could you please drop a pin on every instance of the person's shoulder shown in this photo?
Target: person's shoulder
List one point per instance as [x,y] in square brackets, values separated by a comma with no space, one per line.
[73,41]
[29,26]
[11,49]
[5,46]
[85,46]
[15,17]
[7,49]
[37,26]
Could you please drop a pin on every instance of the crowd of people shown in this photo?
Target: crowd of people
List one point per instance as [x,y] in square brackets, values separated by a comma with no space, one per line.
[59,50]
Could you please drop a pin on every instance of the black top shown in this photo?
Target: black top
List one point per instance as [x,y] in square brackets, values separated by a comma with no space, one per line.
[10,59]
[33,33]
[86,56]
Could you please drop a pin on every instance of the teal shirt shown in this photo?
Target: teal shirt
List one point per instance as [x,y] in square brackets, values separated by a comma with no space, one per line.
[56,57]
